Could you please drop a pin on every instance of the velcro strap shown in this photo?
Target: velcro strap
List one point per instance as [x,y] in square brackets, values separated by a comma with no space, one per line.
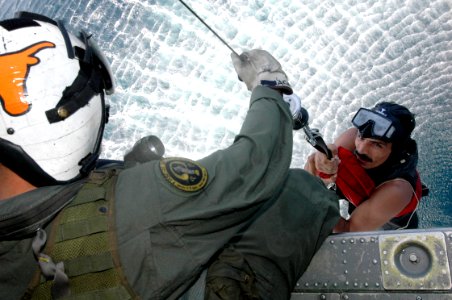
[88,264]
[89,194]
[72,230]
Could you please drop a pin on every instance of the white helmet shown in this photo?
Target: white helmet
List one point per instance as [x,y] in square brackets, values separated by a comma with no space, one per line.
[52,111]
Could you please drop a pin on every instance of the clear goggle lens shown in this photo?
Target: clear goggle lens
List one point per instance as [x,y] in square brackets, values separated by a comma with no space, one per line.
[381,126]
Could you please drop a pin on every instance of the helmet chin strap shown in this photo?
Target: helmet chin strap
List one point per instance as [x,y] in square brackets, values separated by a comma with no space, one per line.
[17,160]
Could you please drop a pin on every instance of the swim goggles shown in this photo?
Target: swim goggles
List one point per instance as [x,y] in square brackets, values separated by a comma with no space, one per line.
[372,124]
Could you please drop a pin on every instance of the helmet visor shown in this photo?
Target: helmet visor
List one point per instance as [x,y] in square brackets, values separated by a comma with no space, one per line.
[374,124]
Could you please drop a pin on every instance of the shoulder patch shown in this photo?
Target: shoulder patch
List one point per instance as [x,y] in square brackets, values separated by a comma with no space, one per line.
[183,173]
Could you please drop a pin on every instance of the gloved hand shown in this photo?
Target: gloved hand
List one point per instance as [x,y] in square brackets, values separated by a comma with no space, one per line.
[258,67]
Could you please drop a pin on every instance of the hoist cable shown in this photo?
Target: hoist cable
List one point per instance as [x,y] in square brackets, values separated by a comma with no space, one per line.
[208,27]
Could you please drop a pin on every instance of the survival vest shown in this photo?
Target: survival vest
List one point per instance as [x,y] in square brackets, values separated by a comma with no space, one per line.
[356,185]
[83,238]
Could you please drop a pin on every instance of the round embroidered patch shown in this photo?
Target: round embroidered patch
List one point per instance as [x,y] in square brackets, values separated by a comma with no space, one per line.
[184,174]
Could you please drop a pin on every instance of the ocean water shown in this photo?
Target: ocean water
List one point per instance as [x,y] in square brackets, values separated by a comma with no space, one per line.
[175,79]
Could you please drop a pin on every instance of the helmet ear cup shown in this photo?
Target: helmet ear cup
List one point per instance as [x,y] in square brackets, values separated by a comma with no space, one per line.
[57,138]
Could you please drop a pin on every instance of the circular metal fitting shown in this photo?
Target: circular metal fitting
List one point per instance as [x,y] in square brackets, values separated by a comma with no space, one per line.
[413,260]
[62,113]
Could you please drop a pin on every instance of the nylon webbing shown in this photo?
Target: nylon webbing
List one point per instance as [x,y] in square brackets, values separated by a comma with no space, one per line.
[81,239]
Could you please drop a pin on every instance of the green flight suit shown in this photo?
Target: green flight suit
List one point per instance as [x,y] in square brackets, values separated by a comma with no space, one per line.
[165,235]
[266,259]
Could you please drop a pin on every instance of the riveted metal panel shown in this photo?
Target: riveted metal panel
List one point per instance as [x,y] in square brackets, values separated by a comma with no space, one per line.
[344,262]
[357,265]
[413,261]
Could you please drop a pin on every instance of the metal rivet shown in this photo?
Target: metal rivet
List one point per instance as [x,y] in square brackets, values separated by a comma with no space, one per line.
[345,297]
[344,262]
[377,284]
[352,241]
[344,251]
[306,284]
[323,297]
[366,284]
[332,242]
[375,261]
[362,240]
[62,113]
[346,272]
[355,284]
[10,131]
[103,209]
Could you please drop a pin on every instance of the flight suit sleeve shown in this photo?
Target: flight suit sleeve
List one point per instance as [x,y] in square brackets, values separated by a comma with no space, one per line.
[168,232]
[248,172]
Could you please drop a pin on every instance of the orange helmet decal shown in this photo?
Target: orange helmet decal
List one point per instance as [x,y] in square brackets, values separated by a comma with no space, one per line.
[14,69]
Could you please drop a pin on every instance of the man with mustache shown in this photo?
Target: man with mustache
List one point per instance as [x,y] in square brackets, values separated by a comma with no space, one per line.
[374,169]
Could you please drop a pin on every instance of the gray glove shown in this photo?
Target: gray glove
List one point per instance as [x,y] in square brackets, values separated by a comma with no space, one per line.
[258,67]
